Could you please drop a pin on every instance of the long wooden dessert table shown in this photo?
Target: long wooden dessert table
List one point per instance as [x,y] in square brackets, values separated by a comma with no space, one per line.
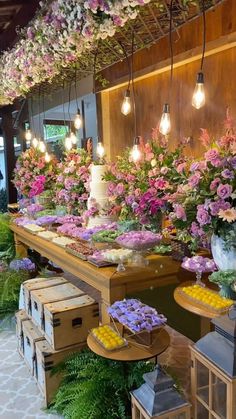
[162,270]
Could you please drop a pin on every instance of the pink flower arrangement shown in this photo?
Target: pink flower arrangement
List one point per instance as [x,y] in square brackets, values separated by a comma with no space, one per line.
[33,175]
[72,182]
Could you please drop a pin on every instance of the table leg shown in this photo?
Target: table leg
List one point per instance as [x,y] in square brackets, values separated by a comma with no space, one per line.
[21,248]
[108,297]
[205,326]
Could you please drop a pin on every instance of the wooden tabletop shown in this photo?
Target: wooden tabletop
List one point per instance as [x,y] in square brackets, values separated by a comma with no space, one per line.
[193,306]
[133,352]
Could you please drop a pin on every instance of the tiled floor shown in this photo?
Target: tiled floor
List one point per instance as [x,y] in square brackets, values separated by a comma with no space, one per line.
[19,395]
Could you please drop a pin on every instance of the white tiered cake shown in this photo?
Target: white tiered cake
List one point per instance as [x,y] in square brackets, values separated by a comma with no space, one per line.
[98,196]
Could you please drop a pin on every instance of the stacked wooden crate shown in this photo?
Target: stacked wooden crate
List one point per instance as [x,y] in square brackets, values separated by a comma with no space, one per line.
[53,324]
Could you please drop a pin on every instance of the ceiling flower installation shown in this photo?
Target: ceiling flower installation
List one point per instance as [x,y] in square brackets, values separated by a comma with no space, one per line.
[61,33]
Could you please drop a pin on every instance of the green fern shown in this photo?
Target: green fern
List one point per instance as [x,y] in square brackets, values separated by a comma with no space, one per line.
[10,282]
[97,388]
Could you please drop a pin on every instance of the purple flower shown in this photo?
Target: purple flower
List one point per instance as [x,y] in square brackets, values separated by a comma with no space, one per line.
[196,230]
[120,189]
[216,206]
[214,184]
[224,191]
[194,180]
[22,264]
[211,154]
[233,162]
[198,264]
[179,212]
[227,174]
[202,215]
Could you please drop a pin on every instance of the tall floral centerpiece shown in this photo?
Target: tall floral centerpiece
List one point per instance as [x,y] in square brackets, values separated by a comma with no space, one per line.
[72,182]
[205,202]
[139,190]
[33,175]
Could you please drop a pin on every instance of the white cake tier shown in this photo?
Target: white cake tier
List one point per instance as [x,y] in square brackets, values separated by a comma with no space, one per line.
[99,220]
[98,189]
[97,172]
[100,203]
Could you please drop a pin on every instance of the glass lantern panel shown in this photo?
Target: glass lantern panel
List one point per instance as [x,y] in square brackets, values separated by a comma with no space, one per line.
[202,412]
[219,396]
[202,381]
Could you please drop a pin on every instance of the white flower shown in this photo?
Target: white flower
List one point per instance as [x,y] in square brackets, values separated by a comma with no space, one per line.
[228,215]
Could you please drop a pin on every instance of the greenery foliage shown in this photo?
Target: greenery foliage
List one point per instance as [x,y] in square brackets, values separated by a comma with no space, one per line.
[10,282]
[223,277]
[7,245]
[97,388]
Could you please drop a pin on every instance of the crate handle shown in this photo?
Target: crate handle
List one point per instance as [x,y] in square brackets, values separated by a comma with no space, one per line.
[28,341]
[35,306]
[77,322]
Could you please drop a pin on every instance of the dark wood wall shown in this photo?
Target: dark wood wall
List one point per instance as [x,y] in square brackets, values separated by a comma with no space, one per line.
[152,90]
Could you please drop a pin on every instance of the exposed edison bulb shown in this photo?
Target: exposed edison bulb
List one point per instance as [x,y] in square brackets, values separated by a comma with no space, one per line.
[78,120]
[28,135]
[42,146]
[68,143]
[199,99]
[135,153]
[35,142]
[100,150]
[165,124]
[126,104]
[73,138]
[47,157]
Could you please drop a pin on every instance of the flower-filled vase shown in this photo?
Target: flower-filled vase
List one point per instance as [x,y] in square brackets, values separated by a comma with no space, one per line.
[223,254]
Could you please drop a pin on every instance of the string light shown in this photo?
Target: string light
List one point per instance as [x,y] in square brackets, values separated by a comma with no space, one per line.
[135,153]
[28,135]
[42,146]
[100,150]
[199,97]
[73,138]
[78,120]
[165,123]
[47,157]
[35,142]
[68,143]
[126,104]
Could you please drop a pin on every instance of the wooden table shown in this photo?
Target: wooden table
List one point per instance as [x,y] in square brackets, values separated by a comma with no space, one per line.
[197,308]
[132,352]
[162,270]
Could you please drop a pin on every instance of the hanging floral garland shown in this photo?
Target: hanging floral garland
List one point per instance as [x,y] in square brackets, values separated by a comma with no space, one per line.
[58,36]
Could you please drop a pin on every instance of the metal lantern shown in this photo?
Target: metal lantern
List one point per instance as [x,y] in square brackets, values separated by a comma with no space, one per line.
[213,373]
[158,398]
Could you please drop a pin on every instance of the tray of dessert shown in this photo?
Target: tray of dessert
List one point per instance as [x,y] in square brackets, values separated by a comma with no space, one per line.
[97,260]
[108,338]
[80,249]
[204,298]
[62,241]
[47,235]
[33,228]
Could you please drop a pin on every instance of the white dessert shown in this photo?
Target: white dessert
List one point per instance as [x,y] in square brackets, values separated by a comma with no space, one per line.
[34,228]
[117,255]
[99,196]
[48,235]
[62,241]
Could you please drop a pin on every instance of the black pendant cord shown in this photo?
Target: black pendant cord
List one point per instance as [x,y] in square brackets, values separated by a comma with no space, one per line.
[69,100]
[39,119]
[171,50]
[63,103]
[133,89]
[76,92]
[31,112]
[128,63]
[204,34]
[44,119]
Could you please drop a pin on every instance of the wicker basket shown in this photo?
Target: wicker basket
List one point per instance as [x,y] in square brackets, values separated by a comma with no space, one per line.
[179,249]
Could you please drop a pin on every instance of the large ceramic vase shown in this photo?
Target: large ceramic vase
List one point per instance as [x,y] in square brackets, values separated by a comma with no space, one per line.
[224,259]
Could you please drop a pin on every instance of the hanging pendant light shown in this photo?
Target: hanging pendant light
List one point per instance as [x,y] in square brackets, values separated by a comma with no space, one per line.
[135,153]
[28,135]
[100,150]
[126,104]
[35,142]
[78,120]
[68,143]
[73,138]
[199,97]
[165,123]
[42,146]
[47,157]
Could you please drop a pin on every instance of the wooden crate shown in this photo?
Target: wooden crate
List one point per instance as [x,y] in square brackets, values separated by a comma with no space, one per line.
[67,322]
[20,317]
[48,295]
[45,360]
[31,335]
[37,284]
